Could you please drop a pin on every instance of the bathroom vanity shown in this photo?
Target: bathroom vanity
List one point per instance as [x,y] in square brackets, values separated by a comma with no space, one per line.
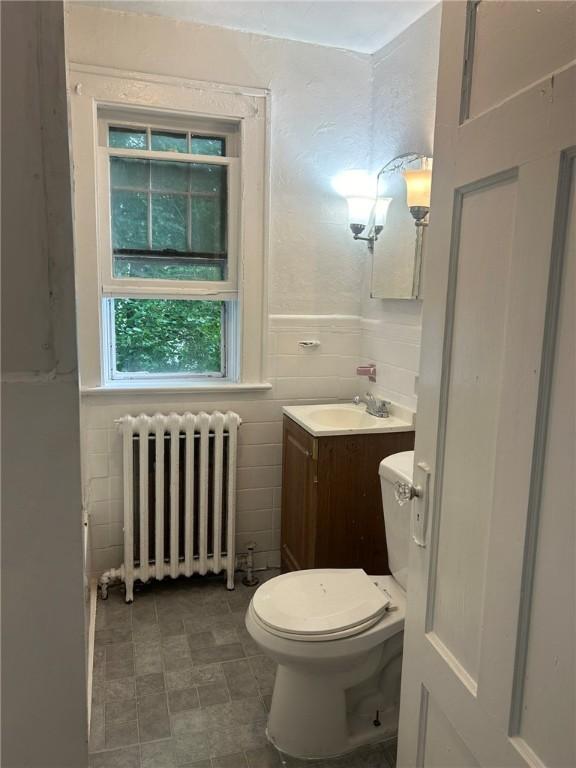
[331,502]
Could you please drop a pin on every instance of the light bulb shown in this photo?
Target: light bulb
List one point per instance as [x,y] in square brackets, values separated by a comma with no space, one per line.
[355,183]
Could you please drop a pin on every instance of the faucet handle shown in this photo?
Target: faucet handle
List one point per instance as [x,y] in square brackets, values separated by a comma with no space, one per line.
[367,370]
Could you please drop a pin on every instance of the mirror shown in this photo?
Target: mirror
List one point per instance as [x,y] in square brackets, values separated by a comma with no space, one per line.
[397,253]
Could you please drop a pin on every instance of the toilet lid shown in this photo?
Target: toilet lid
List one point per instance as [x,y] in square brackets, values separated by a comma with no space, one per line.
[319,602]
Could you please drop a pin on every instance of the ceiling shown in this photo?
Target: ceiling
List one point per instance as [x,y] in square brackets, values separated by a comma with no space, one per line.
[354,24]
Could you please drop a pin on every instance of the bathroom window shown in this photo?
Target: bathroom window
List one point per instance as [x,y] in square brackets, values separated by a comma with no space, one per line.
[178,208]
[169,197]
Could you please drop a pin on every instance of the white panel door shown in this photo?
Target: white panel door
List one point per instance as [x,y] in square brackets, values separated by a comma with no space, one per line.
[489,674]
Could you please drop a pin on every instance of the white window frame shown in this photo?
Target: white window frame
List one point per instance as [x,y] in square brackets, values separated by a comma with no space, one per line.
[101,96]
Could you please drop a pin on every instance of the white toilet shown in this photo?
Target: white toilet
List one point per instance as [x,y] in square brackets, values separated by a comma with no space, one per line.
[336,635]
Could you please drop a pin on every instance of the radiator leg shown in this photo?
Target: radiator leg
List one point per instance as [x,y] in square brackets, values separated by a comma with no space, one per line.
[129,591]
[230,579]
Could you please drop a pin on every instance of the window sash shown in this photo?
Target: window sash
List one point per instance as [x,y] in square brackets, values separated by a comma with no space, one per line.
[228,352]
[131,286]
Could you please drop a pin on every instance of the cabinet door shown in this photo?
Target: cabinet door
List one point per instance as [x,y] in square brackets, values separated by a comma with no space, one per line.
[299,484]
[350,519]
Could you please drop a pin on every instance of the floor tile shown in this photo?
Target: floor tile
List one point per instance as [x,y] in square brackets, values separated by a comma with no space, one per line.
[120,711]
[153,719]
[231,713]
[182,700]
[147,658]
[186,678]
[121,734]
[118,758]
[151,683]
[175,645]
[237,736]
[201,640]
[120,668]
[263,757]
[225,635]
[240,679]
[158,754]
[146,633]
[171,627]
[264,670]
[217,653]
[97,740]
[118,635]
[119,690]
[191,747]
[118,652]
[251,647]
[213,693]
[236,760]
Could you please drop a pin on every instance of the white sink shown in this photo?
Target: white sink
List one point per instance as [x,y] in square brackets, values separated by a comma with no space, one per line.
[347,419]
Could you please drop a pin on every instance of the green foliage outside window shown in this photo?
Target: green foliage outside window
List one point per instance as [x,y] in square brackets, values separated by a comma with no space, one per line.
[168,335]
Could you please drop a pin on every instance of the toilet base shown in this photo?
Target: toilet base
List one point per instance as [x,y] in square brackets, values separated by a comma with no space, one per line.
[315,716]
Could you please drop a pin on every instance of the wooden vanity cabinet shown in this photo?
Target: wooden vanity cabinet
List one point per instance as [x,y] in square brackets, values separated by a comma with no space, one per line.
[331,502]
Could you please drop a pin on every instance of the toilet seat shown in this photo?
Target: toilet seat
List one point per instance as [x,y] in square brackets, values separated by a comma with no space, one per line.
[319,604]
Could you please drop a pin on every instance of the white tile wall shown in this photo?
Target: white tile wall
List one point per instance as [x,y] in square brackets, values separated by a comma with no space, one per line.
[393,343]
[321,374]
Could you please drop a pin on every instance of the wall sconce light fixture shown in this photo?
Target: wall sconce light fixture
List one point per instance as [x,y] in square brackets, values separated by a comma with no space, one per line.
[367,209]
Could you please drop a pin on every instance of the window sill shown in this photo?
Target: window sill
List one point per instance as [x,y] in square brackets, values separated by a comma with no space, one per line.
[165,388]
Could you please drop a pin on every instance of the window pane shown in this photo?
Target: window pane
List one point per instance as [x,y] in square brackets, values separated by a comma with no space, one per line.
[172,177]
[208,234]
[128,138]
[207,145]
[129,219]
[165,141]
[209,179]
[169,222]
[169,268]
[132,174]
[162,206]
[168,336]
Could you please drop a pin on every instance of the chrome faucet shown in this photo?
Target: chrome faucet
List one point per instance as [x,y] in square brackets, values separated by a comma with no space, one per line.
[375,406]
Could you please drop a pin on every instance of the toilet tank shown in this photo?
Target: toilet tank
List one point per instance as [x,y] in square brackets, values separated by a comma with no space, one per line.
[397,467]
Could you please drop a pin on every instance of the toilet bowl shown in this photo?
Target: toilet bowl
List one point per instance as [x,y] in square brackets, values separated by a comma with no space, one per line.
[336,636]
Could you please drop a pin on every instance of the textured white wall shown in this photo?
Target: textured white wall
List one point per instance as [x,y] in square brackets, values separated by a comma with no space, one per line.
[403,111]
[43,633]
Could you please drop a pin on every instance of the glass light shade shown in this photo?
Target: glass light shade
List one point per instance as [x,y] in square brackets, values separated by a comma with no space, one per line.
[418,185]
[381,211]
[360,209]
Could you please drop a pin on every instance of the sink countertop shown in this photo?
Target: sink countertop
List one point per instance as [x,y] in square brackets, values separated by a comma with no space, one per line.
[348,419]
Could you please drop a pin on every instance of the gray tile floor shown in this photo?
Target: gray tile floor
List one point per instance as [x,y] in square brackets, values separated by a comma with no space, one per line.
[179,683]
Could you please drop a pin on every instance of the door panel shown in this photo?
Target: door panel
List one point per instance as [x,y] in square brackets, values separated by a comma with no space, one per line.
[507,34]
[443,747]
[484,682]
[483,278]
[548,704]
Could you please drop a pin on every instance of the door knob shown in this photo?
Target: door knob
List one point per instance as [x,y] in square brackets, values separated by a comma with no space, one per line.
[405,492]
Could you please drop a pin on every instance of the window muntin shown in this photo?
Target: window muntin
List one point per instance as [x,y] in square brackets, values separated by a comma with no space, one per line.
[168,219]
[166,338]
